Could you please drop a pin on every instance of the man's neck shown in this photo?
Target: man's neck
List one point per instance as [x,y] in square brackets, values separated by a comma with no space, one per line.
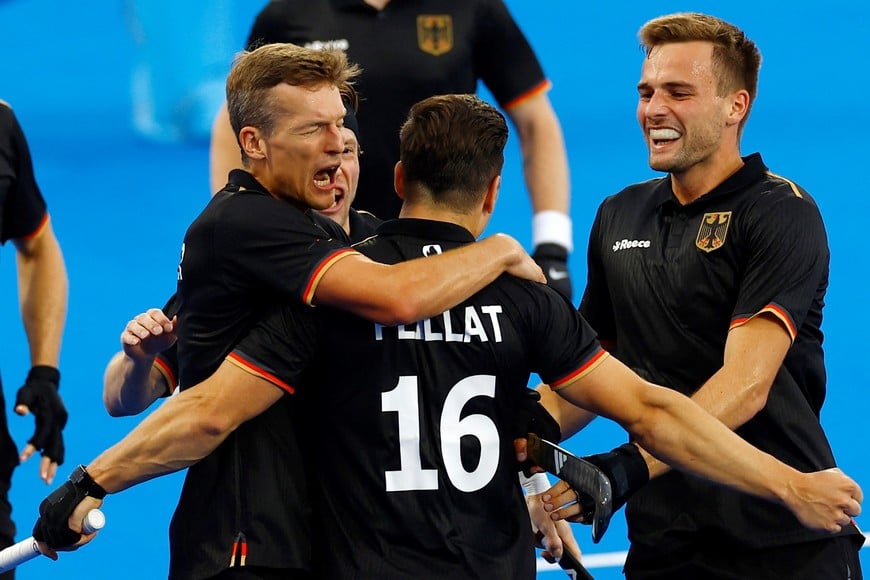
[377,4]
[703,178]
[426,212]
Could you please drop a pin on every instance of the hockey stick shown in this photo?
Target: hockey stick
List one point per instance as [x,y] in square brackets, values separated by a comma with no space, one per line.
[588,482]
[27,549]
[568,563]
[571,565]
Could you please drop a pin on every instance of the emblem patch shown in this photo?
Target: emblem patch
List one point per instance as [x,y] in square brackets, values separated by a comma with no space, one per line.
[435,33]
[714,228]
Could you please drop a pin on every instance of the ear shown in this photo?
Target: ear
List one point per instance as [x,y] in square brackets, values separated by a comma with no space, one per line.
[252,142]
[491,195]
[739,107]
[399,180]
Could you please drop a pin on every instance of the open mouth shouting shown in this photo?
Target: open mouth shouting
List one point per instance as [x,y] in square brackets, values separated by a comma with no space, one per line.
[324,179]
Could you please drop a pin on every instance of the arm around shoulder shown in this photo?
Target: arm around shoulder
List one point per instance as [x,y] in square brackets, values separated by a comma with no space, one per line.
[424,287]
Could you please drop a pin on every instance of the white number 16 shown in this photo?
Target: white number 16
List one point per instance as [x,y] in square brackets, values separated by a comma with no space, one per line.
[405,400]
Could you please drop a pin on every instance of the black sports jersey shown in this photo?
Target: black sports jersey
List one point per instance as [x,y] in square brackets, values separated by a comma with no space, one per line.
[246,253]
[362,226]
[22,208]
[666,283]
[413,424]
[409,51]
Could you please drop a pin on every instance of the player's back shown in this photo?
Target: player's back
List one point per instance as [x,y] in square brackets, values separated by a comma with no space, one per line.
[417,422]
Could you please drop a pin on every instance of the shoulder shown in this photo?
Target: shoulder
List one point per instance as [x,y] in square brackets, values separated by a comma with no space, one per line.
[7,115]
[780,187]
[532,296]
[775,194]
[363,225]
[246,211]
[633,195]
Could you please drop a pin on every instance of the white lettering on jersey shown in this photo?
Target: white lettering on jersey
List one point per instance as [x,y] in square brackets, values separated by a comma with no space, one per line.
[180,260]
[338,44]
[440,329]
[626,244]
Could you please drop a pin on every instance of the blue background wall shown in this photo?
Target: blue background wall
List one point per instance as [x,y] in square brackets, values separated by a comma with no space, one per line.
[120,202]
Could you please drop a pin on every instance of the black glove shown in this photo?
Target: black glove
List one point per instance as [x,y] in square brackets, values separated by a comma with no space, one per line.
[40,394]
[52,527]
[626,470]
[553,260]
[532,417]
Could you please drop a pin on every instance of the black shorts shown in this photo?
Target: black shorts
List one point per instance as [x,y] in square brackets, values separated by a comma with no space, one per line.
[833,559]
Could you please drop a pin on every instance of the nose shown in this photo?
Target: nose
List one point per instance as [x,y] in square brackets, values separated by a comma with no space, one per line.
[655,105]
[335,139]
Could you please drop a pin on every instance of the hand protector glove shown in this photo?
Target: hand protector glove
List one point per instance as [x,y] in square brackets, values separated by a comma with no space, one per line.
[626,470]
[553,260]
[52,527]
[532,417]
[40,395]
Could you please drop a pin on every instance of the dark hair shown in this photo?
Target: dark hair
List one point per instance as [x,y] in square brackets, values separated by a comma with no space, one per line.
[736,58]
[453,146]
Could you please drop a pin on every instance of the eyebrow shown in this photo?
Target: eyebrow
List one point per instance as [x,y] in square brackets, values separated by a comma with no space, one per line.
[669,85]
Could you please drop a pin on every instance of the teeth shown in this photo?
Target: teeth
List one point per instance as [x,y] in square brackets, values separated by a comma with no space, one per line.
[663,134]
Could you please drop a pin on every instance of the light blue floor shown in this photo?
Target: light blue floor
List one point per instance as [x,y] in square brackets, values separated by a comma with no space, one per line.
[120,205]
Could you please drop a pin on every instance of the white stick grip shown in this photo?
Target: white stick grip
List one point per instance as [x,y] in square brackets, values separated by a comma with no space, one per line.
[94,521]
[26,549]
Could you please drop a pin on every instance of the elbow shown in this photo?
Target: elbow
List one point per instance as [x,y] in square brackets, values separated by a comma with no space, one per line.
[755,399]
[114,409]
[214,425]
[403,308]
[114,405]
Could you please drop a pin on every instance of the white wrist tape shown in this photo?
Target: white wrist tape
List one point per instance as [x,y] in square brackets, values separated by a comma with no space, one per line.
[537,483]
[552,227]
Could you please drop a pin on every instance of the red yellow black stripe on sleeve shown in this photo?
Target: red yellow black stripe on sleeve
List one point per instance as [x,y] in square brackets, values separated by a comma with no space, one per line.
[778,312]
[311,288]
[541,87]
[167,373]
[257,371]
[584,370]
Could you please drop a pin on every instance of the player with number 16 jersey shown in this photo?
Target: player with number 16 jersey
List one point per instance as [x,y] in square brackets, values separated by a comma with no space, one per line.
[414,424]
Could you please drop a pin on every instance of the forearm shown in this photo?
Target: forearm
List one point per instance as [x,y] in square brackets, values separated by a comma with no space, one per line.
[438,283]
[131,384]
[424,287]
[186,428]
[174,436]
[570,417]
[545,162]
[739,389]
[681,434]
[43,292]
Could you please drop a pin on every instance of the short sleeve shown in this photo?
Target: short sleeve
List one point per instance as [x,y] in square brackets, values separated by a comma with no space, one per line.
[787,261]
[561,344]
[499,41]
[22,207]
[279,347]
